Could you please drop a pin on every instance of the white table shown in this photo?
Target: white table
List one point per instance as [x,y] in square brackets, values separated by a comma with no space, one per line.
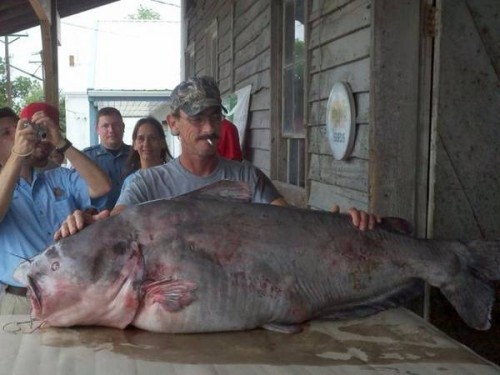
[393,342]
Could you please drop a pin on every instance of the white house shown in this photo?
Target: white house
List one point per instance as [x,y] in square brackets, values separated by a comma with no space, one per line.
[125,64]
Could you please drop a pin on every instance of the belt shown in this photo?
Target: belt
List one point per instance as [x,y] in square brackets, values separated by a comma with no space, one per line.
[16,290]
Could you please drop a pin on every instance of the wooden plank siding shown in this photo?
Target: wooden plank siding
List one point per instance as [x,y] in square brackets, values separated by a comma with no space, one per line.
[339,50]
[339,39]
[252,63]
[244,57]
[467,124]
[399,111]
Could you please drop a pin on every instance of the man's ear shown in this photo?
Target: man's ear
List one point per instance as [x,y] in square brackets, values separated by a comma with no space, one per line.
[172,123]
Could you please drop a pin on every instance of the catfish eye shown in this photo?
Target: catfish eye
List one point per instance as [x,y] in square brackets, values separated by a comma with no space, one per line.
[54,266]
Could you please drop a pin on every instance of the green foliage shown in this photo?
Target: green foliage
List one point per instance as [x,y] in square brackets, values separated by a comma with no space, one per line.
[144,13]
[35,95]
[24,90]
[299,51]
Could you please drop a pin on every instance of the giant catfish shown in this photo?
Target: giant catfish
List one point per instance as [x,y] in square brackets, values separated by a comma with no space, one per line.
[202,263]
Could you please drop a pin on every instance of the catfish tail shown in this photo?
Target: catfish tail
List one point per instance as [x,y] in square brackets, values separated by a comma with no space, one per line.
[470,290]
[485,258]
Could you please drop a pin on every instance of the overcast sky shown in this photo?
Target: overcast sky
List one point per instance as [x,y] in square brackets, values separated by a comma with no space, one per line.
[78,38]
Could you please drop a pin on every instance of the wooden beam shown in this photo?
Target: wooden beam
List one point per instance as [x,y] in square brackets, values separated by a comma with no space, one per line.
[49,54]
[42,9]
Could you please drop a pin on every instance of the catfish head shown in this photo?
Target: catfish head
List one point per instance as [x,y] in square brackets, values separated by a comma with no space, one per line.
[85,280]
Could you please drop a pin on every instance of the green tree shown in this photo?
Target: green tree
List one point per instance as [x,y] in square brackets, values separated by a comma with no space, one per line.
[24,90]
[27,90]
[144,13]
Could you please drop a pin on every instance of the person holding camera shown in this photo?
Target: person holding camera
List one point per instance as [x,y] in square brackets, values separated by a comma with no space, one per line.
[35,196]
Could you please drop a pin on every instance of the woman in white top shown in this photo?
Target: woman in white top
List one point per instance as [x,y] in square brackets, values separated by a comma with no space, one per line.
[149,147]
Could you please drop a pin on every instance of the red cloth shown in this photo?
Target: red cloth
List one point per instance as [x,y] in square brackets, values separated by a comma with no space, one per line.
[229,141]
[51,111]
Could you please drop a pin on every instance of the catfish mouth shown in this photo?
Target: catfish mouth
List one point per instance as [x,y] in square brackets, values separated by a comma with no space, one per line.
[35,296]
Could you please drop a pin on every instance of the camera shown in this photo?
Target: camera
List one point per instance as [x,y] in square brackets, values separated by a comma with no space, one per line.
[40,130]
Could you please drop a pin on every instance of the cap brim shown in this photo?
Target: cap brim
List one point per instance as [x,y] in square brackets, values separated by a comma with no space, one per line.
[193,109]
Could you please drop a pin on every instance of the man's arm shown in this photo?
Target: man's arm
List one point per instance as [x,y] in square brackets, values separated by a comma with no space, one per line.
[360,219]
[80,219]
[8,178]
[22,148]
[97,180]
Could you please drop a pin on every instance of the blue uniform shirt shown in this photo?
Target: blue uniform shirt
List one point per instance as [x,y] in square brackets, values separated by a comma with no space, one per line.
[35,213]
[115,167]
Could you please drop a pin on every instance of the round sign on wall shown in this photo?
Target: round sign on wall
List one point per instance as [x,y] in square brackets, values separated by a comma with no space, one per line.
[341,120]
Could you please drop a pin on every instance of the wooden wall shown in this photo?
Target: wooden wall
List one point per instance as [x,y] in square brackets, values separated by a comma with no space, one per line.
[339,50]
[339,42]
[467,121]
[252,64]
[375,46]
[400,98]
[244,57]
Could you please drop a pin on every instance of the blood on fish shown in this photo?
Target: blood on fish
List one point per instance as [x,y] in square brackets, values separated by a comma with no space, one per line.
[202,264]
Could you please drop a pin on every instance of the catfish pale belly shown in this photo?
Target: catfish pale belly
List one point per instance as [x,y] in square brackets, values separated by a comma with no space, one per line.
[200,265]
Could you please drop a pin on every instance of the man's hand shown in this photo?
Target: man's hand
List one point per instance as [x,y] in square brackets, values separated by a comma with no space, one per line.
[360,219]
[363,220]
[24,140]
[78,220]
[40,118]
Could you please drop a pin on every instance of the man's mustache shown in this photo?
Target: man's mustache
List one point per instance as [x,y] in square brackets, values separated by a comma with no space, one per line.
[212,137]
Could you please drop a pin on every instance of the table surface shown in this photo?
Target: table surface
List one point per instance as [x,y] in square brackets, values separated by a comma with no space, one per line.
[393,342]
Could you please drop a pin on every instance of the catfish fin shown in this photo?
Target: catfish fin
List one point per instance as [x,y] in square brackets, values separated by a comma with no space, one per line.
[173,295]
[470,290]
[396,224]
[485,257]
[283,328]
[224,190]
[473,299]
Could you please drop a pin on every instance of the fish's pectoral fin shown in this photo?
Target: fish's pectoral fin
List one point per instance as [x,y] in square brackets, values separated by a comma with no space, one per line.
[173,295]
[283,328]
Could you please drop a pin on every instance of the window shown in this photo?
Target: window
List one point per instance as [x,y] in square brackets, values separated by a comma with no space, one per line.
[292,127]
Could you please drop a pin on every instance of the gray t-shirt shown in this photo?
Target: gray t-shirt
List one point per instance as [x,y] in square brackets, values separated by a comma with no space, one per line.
[172,179]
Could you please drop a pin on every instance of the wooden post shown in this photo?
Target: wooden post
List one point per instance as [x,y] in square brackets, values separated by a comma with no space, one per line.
[7,72]
[46,11]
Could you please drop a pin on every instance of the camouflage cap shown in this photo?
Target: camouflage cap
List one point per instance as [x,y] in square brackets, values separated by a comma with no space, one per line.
[195,95]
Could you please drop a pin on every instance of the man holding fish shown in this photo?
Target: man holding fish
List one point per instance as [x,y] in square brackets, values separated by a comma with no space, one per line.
[195,117]
[203,265]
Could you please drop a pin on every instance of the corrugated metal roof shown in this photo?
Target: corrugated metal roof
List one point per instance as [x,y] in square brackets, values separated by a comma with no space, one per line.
[18,15]
[130,103]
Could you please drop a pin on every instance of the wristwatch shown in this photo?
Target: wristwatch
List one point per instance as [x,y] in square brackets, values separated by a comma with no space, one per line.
[63,145]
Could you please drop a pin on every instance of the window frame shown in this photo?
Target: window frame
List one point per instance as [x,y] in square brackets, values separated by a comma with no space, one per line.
[281,142]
